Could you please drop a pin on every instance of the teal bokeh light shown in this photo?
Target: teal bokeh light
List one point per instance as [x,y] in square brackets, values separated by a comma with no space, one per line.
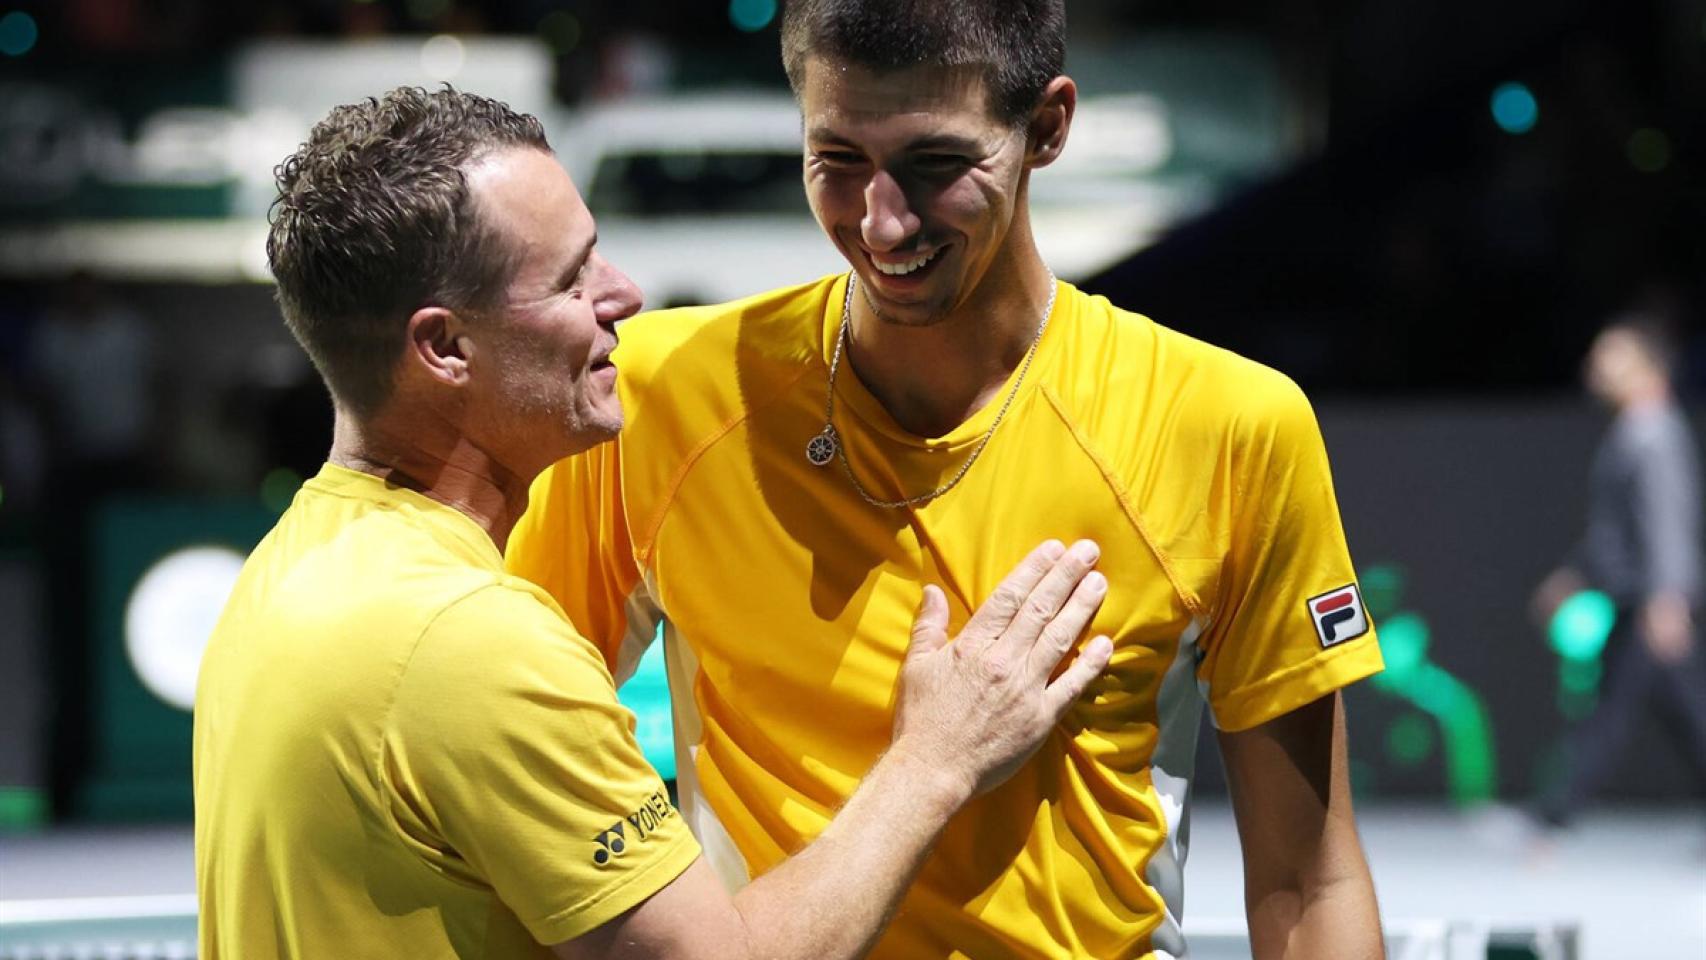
[1514,108]
[1403,645]
[1581,624]
[18,33]
[751,15]
[647,694]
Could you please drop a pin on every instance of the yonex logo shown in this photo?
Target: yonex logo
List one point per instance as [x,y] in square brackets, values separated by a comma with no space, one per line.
[611,843]
[636,827]
[1338,615]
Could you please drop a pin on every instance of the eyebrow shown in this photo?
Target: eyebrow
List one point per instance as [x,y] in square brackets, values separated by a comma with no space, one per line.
[934,141]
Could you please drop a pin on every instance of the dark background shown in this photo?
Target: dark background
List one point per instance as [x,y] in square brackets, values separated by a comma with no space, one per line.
[1431,279]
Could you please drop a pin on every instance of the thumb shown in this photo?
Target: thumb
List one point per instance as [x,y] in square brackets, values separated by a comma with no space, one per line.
[930,626]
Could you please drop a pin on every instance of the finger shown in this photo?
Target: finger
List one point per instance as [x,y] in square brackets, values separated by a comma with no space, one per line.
[995,613]
[1062,633]
[1050,594]
[1069,686]
[930,626]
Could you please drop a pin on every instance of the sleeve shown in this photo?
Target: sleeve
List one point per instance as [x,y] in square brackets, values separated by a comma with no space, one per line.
[509,763]
[1288,625]
[574,541]
[1667,512]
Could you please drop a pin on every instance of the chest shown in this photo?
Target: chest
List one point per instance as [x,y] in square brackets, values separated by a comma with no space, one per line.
[797,595]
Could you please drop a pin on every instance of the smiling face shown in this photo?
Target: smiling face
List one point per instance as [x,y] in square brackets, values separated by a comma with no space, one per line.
[549,386]
[914,180]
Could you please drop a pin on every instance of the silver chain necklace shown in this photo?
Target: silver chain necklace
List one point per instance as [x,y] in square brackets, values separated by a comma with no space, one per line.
[826,445]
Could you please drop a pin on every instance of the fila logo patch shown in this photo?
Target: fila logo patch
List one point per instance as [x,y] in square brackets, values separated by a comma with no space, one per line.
[1338,615]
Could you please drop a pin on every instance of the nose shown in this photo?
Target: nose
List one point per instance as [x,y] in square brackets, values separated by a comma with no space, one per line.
[889,219]
[619,299]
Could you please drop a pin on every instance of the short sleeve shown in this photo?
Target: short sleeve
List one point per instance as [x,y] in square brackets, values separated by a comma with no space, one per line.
[574,542]
[511,764]
[1288,624]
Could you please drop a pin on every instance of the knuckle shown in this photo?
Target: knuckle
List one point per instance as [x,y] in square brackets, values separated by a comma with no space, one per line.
[1039,609]
[1006,599]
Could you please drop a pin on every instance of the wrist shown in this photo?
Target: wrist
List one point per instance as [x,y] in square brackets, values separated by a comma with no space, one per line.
[942,783]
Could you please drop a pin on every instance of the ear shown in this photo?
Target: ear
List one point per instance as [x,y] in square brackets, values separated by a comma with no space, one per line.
[440,345]
[1045,135]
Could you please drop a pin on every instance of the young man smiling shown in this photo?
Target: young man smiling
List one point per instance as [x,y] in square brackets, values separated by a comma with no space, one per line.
[800,461]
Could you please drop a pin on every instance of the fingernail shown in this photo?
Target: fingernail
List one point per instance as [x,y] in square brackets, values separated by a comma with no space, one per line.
[1096,583]
[1086,550]
[1054,549]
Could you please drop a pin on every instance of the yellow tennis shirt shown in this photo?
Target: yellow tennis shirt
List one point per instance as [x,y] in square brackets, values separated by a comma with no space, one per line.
[790,599]
[403,751]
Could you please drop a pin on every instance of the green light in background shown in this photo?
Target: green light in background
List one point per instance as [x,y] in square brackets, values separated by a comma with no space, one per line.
[1382,589]
[22,808]
[1465,728]
[18,33]
[1649,150]
[751,16]
[1514,108]
[1403,645]
[279,487]
[562,30]
[1581,624]
[2,495]
[1409,740]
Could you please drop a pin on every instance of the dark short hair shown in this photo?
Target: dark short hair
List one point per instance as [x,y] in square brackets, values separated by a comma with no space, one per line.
[1020,45]
[374,220]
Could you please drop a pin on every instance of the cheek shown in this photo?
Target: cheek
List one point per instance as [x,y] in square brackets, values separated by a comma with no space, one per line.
[834,202]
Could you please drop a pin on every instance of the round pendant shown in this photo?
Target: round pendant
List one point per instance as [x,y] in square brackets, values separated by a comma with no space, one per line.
[821,448]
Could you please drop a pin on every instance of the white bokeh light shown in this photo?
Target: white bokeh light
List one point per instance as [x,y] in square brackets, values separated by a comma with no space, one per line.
[170,615]
[442,57]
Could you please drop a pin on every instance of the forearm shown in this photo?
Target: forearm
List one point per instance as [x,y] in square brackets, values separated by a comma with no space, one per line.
[832,899]
[1331,913]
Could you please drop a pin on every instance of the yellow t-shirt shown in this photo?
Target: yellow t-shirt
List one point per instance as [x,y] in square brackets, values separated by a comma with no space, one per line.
[790,599]
[403,751]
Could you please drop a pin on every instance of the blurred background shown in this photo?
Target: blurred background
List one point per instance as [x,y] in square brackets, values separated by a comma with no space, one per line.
[1421,211]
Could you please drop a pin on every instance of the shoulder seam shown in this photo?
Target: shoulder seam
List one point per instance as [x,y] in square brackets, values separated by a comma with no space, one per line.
[1192,602]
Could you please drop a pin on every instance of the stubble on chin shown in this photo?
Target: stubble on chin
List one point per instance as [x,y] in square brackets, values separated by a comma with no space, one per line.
[928,320]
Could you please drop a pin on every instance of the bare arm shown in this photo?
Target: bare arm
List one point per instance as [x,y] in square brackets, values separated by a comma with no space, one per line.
[1307,889]
[969,713]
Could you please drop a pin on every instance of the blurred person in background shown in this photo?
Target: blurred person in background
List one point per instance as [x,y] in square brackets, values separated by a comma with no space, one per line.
[93,370]
[800,461]
[403,751]
[1642,548]
[94,359]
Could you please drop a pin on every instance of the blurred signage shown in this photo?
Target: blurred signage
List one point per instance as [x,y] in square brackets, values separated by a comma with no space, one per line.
[169,177]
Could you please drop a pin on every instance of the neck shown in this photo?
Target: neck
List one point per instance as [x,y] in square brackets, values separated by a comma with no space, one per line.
[436,460]
[1648,395]
[933,378]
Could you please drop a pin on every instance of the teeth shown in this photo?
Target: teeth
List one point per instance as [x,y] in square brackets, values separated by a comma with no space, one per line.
[902,269]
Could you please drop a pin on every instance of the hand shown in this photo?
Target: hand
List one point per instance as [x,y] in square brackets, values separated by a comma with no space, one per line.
[977,708]
[1558,586]
[1667,627]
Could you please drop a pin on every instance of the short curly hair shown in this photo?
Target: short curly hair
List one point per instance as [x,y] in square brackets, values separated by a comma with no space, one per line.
[374,220]
[1020,45]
